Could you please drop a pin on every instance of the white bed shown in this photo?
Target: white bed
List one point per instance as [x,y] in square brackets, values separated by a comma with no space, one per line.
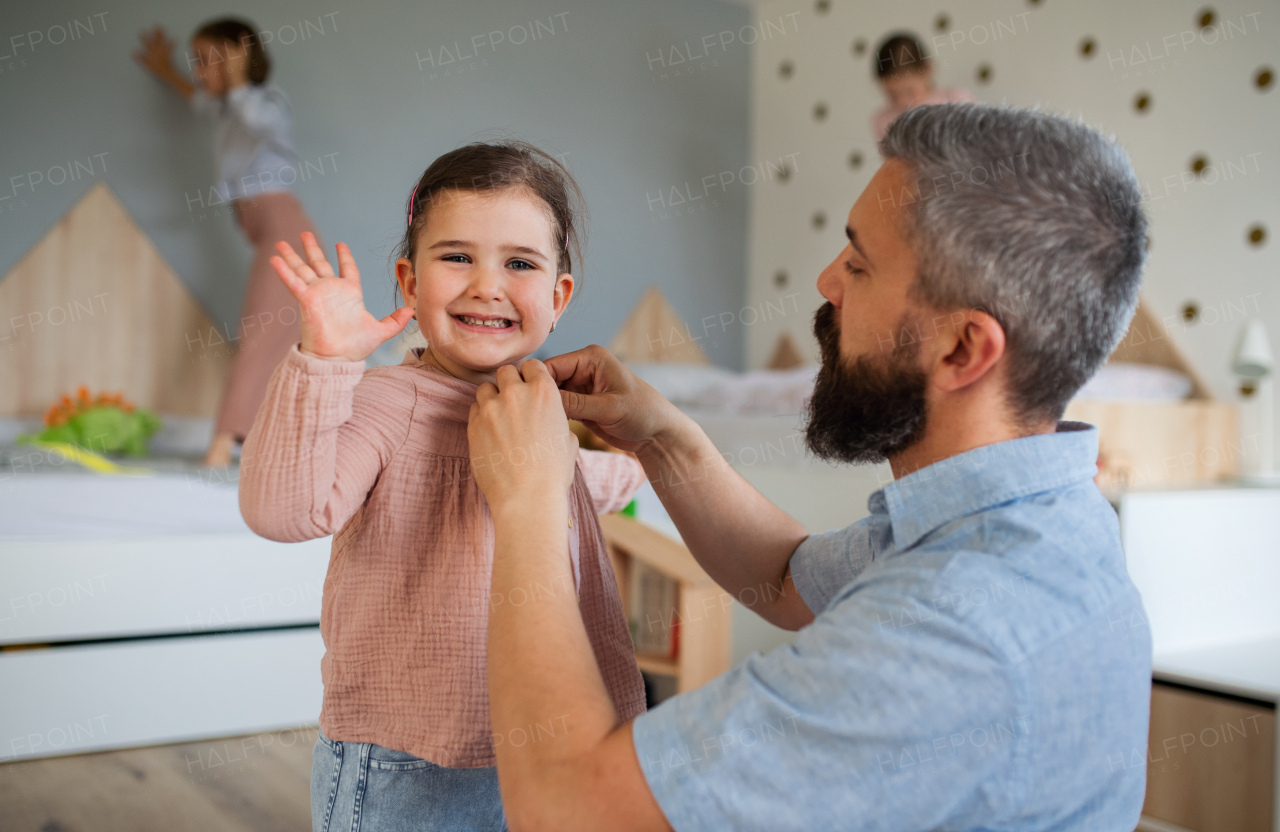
[142,610]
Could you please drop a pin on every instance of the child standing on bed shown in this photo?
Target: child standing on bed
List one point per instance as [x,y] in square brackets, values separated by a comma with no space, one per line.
[253,151]
[379,459]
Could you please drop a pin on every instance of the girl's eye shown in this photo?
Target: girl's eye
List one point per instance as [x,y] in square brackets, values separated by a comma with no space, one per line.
[521,265]
[456,258]
[851,269]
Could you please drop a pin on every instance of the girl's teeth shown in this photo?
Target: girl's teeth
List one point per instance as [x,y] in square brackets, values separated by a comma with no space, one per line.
[496,323]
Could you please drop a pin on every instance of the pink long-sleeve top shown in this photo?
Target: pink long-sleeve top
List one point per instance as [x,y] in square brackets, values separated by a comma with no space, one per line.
[379,459]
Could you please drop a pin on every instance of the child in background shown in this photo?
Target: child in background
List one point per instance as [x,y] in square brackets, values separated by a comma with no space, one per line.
[906,76]
[255,160]
[379,459]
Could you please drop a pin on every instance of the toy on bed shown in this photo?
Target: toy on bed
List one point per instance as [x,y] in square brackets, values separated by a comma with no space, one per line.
[106,424]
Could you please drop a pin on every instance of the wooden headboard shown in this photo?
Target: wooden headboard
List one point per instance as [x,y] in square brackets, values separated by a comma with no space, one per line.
[94,303]
[654,332]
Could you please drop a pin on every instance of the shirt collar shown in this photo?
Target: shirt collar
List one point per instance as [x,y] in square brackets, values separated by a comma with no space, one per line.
[967,483]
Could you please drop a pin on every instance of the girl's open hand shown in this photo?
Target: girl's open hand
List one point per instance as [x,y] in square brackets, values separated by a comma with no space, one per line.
[335,323]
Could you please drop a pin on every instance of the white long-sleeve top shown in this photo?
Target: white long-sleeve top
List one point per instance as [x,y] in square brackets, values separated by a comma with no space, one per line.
[252,148]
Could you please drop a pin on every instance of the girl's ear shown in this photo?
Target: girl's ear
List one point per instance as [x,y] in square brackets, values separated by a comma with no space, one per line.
[408,281]
[561,295]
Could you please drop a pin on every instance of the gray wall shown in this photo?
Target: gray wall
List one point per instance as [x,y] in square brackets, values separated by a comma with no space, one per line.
[371,113]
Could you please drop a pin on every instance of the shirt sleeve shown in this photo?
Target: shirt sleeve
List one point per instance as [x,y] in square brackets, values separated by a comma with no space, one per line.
[825,563]
[324,433]
[612,478]
[856,725]
[263,110]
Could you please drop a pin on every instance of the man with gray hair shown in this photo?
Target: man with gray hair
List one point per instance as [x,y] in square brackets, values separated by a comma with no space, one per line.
[972,655]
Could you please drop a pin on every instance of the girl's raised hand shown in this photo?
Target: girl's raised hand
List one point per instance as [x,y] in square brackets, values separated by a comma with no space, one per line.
[335,324]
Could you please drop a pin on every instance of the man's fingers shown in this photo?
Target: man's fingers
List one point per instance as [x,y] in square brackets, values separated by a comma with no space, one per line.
[570,368]
[507,376]
[585,408]
[485,392]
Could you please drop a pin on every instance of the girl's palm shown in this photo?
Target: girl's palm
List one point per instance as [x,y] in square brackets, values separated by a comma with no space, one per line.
[335,323]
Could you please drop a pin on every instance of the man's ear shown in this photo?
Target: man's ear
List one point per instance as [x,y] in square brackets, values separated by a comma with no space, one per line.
[978,343]
[408,281]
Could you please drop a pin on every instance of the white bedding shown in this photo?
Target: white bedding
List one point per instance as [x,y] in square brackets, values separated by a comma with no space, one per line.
[77,505]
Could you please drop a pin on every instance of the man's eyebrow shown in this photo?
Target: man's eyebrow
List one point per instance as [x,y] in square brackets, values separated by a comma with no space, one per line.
[853,240]
[469,244]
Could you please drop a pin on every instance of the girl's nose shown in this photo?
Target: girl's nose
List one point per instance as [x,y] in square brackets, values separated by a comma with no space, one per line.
[487,282]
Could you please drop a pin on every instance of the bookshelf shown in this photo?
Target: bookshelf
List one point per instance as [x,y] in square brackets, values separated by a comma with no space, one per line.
[702,609]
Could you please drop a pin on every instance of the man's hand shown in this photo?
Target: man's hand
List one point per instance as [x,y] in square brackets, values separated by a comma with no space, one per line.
[521,446]
[612,401]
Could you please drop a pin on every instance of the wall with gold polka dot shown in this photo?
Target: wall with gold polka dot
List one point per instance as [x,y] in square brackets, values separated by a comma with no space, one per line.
[1188,89]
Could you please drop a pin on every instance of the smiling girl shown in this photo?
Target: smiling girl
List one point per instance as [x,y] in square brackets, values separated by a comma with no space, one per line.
[380,460]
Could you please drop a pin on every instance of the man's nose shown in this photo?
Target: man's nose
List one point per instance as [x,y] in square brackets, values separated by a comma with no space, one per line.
[829,285]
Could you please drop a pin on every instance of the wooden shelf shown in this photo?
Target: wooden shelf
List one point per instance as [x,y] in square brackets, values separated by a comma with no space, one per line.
[658,664]
[705,610]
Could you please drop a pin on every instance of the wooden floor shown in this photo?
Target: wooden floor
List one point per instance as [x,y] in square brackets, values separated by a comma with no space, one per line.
[259,782]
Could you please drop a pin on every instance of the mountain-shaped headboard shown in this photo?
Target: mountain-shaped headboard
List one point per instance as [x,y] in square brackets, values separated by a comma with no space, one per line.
[94,303]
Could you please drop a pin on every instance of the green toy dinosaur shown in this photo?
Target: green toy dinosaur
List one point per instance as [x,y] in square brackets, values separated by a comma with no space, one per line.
[107,424]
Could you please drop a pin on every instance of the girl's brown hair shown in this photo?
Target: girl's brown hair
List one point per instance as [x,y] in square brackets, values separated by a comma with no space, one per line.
[495,167]
[234,30]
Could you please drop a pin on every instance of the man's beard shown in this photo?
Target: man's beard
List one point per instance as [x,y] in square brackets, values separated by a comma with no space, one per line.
[864,411]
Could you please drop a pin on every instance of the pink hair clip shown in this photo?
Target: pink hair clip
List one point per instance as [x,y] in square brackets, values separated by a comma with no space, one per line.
[412,197]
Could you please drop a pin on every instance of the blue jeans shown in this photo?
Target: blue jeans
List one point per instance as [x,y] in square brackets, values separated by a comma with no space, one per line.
[362,787]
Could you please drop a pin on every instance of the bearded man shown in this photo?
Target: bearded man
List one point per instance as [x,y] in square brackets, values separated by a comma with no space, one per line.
[972,655]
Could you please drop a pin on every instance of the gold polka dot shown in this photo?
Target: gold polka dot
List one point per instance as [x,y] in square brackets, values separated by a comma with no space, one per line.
[1199,163]
[780,279]
[1190,311]
[855,159]
[1264,78]
[1257,234]
[1206,17]
[1142,102]
[942,23]
[822,6]
[786,68]
[820,111]
[984,73]
[1087,47]
[819,221]
[859,47]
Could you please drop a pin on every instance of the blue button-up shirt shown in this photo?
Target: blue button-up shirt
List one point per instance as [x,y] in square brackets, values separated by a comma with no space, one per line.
[979,660]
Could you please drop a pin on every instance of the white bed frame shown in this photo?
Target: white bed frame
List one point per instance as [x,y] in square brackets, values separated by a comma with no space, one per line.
[147,640]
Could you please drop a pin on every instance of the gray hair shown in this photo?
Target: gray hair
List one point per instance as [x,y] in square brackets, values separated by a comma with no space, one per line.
[1033,219]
